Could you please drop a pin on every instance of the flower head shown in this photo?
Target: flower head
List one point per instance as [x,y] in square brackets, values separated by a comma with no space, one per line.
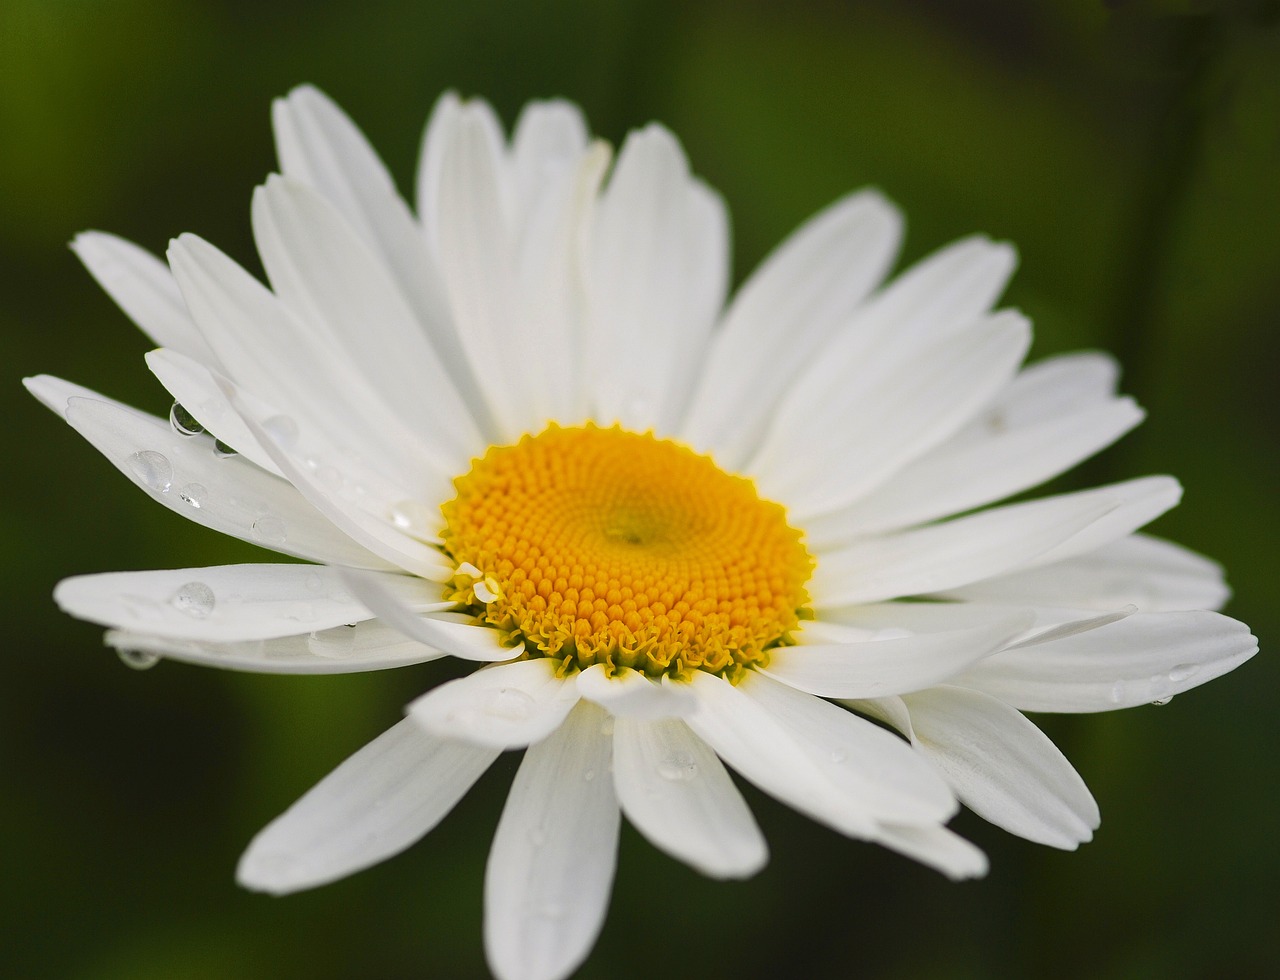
[523,428]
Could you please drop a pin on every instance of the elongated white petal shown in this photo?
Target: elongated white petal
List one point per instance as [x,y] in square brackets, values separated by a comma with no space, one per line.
[784,313]
[1002,766]
[967,472]
[328,277]
[548,140]
[1140,659]
[230,495]
[679,796]
[546,886]
[143,287]
[228,602]
[818,466]
[458,639]
[654,280]
[1146,572]
[373,806]
[876,668]
[630,694]
[938,847]
[350,649]
[507,706]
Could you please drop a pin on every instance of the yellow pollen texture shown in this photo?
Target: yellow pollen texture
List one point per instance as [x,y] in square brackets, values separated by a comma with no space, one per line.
[599,545]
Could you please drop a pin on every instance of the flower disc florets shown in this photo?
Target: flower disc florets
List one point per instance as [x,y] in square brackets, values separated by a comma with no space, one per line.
[599,545]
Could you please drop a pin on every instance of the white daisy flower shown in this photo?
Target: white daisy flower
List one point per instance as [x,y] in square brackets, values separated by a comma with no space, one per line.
[524,428]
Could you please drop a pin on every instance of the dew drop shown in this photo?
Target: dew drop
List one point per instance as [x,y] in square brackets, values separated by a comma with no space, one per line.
[183,422]
[510,704]
[153,469]
[282,429]
[195,599]
[589,775]
[269,529]
[138,659]
[313,582]
[222,450]
[837,755]
[677,768]
[1160,701]
[1182,672]
[1117,692]
[194,494]
[414,518]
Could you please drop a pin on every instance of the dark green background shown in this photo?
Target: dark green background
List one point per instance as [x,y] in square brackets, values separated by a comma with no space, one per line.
[1133,154]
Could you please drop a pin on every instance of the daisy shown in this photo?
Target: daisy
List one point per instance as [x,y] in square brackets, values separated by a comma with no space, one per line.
[524,428]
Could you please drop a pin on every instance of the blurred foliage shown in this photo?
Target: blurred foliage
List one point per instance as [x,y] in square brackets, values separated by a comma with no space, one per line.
[1131,150]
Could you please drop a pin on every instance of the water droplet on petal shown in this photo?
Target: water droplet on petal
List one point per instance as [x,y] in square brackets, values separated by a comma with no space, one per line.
[1182,672]
[415,518]
[195,599]
[222,450]
[138,659]
[1117,692]
[153,469]
[270,530]
[194,494]
[282,429]
[510,704]
[837,755]
[313,582]
[183,422]
[589,775]
[677,768]
[1160,701]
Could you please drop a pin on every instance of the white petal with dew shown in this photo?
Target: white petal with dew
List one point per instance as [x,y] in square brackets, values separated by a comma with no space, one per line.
[368,645]
[187,475]
[1146,572]
[1003,767]
[458,639]
[226,603]
[678,795]
[784,312]
[507,706]
[1144,658]
[877,668]
[142,286]
[547,883]
[629,693]
[373,806]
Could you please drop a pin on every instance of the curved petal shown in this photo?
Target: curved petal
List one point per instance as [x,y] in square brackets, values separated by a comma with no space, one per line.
[1141,571]
[546,886]
[349,649]
[877,668]
[226,603]
[1002,766]
[1143,658]
[784,312]
[144,288]
[507,707]
[628,693]
[373,806]
[187,475]
[937,847]
[679,796]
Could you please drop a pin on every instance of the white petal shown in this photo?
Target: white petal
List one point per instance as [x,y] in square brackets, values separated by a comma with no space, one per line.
[331,281]
[548,140]
[876,668]
[230,495]
[373,806]
[228,602]
[1144,658]
[679,796]
[1003,767]
[968,471]
[942,556]
[508,706]
[369,645]
[144,288]
[828,445]
[546,887]
[458,639]
[785,312]
[654,279]
[1146,572]
[937,847]
[56,394]
[629,693]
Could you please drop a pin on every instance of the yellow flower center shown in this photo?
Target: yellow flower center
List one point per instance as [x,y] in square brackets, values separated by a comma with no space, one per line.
[594,545]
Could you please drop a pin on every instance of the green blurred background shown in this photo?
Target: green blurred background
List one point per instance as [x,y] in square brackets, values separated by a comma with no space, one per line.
[1131,151]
